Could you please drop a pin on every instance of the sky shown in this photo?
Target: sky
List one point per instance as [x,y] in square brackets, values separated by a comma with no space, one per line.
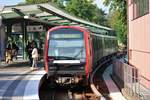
[13,2]
[99,3]
[10,2]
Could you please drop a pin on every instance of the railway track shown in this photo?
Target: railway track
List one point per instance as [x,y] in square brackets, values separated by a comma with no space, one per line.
[98,84]
[96,90]
[65,93]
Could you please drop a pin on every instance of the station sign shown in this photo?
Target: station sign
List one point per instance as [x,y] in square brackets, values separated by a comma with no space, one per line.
[35,28]
[30,28]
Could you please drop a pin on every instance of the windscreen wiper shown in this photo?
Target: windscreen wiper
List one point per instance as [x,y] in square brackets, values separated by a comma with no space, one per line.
[78,53]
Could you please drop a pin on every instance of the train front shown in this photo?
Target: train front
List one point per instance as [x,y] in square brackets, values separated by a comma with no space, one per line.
[65,55]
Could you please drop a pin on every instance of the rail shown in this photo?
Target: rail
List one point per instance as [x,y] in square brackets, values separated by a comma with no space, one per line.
[92,85]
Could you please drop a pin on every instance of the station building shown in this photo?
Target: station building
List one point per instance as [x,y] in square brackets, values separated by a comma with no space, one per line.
[139,38]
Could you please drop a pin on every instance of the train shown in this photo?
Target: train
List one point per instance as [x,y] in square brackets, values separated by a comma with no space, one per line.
[71,52]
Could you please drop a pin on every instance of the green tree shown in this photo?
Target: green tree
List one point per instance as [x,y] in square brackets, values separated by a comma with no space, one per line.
[86,10]
[99,16]
[117,18]
[36,1]
[80,8]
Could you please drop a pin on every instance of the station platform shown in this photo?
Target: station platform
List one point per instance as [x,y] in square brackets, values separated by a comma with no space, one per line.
[21,89]
[18,63]
[14,63]
[114,91]
[18,81]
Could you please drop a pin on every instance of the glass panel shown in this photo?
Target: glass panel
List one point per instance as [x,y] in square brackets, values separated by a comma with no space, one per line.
[66,44]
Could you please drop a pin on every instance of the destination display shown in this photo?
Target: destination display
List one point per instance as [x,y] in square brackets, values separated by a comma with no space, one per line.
[66,36]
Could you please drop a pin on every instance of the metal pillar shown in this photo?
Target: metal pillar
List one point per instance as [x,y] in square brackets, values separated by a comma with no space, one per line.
[9,30]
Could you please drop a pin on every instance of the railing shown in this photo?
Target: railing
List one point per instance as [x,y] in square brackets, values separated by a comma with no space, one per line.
[130,77]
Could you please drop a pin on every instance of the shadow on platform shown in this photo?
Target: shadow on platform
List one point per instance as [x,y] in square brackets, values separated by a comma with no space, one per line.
[19,63]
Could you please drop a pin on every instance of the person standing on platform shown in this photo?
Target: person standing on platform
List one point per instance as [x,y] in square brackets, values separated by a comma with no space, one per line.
[29,49]
[9,52]
[15,49]
[35,57]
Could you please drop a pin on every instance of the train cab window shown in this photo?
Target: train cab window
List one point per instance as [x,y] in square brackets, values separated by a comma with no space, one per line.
[66,43]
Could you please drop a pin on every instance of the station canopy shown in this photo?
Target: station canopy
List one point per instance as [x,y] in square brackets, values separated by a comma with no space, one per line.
[51,15]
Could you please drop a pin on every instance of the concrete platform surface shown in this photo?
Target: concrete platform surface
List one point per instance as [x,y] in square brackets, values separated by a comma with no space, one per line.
[20,83]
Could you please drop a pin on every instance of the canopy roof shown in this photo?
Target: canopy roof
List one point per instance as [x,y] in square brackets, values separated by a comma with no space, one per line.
[49,14]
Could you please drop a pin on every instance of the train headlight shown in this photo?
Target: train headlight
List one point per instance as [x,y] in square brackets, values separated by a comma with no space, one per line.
[82,60]
[81,67]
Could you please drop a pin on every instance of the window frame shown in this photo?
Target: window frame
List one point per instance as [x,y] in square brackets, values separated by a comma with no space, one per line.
[139,8]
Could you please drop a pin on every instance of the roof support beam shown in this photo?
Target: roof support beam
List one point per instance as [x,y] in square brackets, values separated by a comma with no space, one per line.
[39,20]
[46,9]
[18,11]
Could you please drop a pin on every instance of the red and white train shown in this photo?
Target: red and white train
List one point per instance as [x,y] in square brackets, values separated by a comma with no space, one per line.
[71,52]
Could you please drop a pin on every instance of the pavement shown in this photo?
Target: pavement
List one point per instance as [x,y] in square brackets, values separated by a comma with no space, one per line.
[15,63]
[31,90]
[20,86]
[114,91]
[18,81]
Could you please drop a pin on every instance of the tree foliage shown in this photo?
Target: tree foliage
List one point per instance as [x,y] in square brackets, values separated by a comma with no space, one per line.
[36,1]
[86,10]
[80,8]
[118,18]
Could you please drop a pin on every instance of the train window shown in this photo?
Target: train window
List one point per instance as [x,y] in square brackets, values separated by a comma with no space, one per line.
[105,43]
[66,44]
[97,42]
[95,46]
[101,47]
[110,44]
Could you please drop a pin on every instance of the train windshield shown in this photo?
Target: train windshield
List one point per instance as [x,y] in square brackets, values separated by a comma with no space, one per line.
[67,44]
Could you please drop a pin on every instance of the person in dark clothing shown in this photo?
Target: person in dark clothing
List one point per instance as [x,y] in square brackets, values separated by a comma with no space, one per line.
[15,49]
[29,49]
[9,45]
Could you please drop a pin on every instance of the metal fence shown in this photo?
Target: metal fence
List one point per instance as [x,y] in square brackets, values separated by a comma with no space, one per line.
[130,76]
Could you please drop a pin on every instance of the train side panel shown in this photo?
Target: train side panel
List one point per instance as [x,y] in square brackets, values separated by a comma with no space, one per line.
[103,46]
